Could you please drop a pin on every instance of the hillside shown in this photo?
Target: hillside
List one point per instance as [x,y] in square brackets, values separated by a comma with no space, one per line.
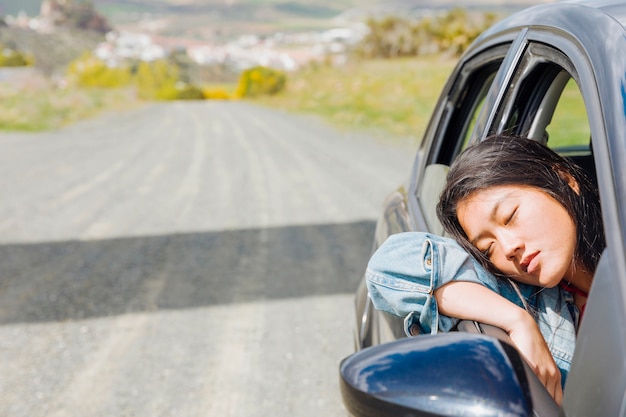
[219,20]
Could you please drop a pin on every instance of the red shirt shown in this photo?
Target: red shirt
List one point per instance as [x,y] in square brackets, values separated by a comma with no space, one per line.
[573,290]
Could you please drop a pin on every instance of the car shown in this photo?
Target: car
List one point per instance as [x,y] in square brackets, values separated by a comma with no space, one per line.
[555,73]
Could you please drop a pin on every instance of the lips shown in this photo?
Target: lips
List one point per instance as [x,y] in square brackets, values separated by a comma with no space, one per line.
[529,263]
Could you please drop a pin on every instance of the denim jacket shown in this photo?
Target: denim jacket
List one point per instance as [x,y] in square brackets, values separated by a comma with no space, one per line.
[404,272]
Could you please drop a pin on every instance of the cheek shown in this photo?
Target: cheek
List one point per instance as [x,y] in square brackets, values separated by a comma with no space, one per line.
[572,238]
[560,232]
[502,264]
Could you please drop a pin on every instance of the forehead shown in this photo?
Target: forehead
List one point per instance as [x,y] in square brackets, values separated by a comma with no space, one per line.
[480,209]
[495,194]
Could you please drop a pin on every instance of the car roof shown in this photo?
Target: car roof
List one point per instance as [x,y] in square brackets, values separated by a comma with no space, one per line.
[614,8]
[568,15]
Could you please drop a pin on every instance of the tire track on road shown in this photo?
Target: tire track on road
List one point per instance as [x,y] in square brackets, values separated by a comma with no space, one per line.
[212,274]
[188,190]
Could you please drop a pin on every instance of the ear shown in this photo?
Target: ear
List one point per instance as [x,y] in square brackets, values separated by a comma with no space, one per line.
[570,180]
[573,184]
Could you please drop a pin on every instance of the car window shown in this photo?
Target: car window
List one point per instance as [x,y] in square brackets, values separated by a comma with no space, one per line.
[545,104]
[568,132]
[477,109]
[569,126]
[467,102]
[464,103]
[542,102]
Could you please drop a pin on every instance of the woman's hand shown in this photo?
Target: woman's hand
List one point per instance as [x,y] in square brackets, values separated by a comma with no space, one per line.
[471,301]
[533,347]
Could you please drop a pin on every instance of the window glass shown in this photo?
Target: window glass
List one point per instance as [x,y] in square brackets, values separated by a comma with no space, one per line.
[544,102]
[470,99]
[474,118]
[569,126]
[466,100]
[569,132]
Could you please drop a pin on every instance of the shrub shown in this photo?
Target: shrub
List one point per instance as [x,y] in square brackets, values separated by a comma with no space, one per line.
[155,80]
[178,91]
[12,58]
[211,93]
[259,80]
[187,91]
[452,32]
[160,80]
[89,71]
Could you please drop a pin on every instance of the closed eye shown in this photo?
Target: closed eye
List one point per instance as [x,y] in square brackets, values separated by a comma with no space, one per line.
[511,216]
[487,252]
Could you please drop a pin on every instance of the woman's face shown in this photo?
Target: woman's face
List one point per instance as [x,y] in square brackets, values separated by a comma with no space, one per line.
[524,232]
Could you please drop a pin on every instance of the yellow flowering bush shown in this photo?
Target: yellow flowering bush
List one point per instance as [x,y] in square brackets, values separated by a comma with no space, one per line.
[259,81]
[89,71]
[12,58]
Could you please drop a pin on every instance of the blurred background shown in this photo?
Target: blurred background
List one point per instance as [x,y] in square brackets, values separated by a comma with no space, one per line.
[110,53]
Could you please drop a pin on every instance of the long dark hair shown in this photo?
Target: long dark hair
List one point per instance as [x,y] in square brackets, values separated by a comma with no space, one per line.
[507,160]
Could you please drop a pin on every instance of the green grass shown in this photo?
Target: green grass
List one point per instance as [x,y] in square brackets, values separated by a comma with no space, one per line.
[393,97]
[569,125]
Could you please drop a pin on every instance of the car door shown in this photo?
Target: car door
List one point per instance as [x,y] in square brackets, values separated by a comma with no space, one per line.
[526,88]
[570,94]
[556,97]
[413,208]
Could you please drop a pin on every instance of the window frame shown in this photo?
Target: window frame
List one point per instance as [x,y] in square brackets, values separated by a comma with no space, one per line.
[471,87]
[523,112]
[456,114]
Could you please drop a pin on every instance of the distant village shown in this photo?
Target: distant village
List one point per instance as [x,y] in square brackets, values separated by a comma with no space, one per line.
[281,51]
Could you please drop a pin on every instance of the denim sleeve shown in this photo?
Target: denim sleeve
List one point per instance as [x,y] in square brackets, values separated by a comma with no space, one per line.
[400,281]
[407,268]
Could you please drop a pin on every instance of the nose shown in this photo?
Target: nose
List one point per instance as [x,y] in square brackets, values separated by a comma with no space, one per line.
[511,244]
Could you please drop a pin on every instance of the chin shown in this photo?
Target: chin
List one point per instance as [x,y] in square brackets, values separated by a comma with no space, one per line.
[549,282]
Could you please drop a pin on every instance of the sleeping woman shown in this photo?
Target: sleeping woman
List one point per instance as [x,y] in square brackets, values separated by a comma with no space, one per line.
[525,238]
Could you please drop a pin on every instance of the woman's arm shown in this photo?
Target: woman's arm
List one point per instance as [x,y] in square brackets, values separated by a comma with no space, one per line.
[471,301]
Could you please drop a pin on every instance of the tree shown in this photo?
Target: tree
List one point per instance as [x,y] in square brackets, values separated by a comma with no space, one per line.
[394,36]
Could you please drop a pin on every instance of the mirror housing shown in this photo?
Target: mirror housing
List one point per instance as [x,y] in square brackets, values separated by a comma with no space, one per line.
[448,374]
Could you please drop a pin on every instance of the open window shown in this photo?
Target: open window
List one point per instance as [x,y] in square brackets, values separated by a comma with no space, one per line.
[464,103]
[546,104]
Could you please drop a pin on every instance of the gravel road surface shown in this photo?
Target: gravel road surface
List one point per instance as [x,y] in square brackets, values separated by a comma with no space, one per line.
[184,259]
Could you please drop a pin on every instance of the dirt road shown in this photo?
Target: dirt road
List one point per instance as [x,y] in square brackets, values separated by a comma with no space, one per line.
[186,259]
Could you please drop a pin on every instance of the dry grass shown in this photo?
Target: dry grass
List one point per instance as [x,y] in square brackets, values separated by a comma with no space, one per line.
[389,97]
[36,104]
[395,97]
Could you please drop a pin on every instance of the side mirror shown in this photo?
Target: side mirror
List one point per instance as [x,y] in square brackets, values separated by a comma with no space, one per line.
[448,374]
